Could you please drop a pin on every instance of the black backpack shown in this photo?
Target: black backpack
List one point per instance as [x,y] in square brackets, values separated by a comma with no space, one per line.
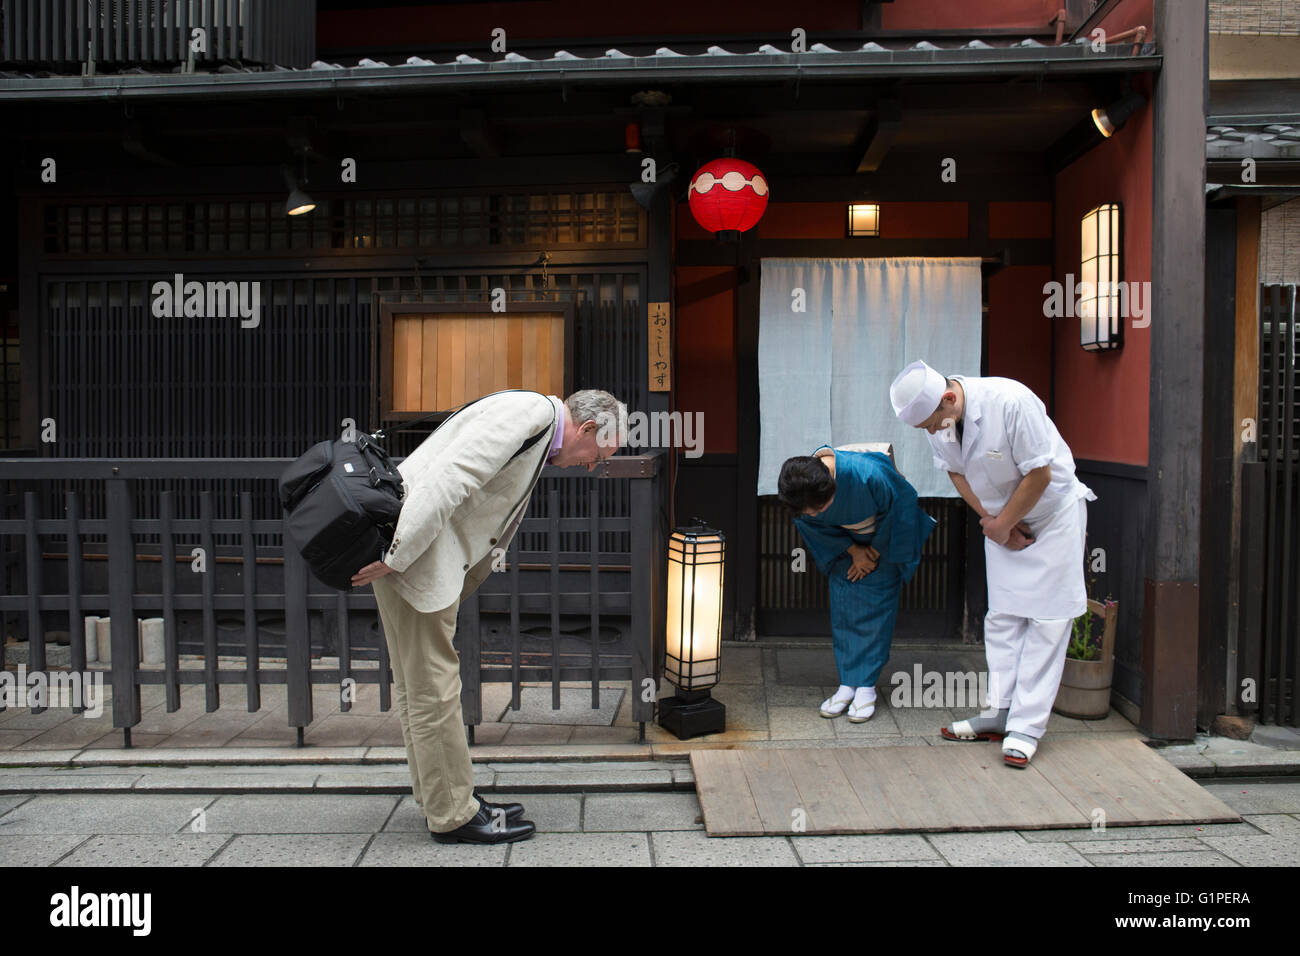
[342,500]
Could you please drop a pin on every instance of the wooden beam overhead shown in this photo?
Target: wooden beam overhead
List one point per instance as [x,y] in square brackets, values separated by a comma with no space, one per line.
[475,134]
[884,129]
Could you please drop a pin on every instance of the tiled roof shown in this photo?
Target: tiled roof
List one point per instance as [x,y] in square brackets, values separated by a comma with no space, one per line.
[890,59]
[893,49]
[1274,141]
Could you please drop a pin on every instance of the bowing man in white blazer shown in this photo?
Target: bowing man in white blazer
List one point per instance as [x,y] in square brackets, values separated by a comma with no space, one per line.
[1010,464]
[467,486]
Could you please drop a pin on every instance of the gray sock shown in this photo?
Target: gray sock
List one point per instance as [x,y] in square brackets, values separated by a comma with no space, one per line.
[985,725]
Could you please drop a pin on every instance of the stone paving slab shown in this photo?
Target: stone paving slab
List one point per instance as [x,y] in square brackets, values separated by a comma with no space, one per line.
[526,781]
[9,801]
[1199,858]
[573,829]
[1267,850]
[1251,796]
[382,779]
[1223,757]
[418,849]
[277,849]
[222,755]
[927,863]
[133,849]
[867,848]
[1170,832]
[575,707]
[697,848]
[116,813]
[302,813]
[245,780]
[1002,848]
[77,782]
[581,849]
[1278,823]
[36,758]
[552,812]
[1106,847]
[642,811]
[37,849]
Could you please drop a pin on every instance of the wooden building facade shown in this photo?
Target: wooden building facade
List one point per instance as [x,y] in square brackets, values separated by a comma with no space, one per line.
[445,168]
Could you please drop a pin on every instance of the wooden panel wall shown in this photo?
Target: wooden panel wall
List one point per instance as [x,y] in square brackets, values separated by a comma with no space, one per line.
[441,361]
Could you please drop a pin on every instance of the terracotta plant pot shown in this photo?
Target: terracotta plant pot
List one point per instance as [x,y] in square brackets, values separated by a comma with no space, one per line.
[1085,685]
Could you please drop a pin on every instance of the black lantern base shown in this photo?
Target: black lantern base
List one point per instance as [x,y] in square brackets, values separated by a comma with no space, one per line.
[690,714]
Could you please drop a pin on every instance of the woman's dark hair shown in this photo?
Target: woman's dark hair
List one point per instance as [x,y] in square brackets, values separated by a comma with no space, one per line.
[805,483]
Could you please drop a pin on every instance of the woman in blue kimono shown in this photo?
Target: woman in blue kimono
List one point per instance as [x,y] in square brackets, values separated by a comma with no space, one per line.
[864,528]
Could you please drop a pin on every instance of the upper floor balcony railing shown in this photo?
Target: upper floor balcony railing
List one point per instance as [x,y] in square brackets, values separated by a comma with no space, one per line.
[88,36]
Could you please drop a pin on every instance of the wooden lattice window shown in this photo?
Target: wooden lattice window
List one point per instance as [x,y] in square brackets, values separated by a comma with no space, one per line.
[437,356]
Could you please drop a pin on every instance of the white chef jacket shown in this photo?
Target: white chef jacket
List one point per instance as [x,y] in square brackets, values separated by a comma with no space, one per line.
[1006,435]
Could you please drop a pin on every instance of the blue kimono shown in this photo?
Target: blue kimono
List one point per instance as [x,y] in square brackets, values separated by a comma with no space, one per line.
[873,505]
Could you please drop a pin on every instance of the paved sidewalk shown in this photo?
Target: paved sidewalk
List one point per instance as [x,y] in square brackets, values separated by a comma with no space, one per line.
[622,829]
[771,691]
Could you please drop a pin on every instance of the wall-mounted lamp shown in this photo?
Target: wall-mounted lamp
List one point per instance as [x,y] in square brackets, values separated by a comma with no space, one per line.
[693,636]
[1101,325]
[298,202]
[1113,117]
[864,219]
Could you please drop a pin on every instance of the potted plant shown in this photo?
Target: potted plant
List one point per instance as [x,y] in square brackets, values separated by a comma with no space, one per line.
[1089,663]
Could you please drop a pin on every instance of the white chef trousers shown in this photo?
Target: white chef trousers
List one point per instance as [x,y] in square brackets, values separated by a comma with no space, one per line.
[1026,657]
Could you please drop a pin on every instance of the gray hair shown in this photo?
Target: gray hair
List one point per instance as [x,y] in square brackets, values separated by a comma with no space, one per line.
[593,404]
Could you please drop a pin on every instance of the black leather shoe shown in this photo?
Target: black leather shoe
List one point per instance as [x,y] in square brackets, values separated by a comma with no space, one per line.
[511,810]
[482,828]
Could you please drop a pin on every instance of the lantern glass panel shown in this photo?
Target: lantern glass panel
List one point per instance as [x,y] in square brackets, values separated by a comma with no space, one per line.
[864,219]
[694,626]
[1099,270]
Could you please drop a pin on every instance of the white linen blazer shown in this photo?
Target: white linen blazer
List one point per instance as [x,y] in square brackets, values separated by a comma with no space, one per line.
[462,493]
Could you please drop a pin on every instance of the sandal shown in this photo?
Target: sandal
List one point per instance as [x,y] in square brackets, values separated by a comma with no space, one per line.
[961,730]
[1017,751]
[860,715]
[831,707]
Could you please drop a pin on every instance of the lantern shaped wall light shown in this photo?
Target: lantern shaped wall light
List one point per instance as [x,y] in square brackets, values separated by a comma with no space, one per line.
[1101,298]
[864,219]
[728,196]
[693,651]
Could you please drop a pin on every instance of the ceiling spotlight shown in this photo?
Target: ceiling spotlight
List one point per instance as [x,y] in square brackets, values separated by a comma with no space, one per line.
[1114,117]
[298,202]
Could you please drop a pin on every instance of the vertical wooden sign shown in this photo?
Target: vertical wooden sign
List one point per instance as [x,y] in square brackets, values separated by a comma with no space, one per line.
[660,351]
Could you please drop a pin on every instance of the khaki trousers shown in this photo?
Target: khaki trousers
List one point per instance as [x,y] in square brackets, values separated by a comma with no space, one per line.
[426,682]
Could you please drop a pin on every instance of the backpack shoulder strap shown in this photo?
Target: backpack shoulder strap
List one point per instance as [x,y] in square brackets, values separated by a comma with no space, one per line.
[379,433]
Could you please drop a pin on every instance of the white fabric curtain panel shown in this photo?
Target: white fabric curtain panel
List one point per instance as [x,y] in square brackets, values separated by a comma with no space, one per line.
[832,335]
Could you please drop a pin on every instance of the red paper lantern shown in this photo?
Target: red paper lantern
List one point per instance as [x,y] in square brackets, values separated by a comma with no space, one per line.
[728,193]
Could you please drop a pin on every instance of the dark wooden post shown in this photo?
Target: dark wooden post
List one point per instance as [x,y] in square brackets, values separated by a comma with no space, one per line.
[121,587]
[35,626]
[744,556]
[1217,464]
[646,553]
[1177,314]
[297,639]
[76,625]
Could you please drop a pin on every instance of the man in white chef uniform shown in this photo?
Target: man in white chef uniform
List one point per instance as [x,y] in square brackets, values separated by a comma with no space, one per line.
[1009,463]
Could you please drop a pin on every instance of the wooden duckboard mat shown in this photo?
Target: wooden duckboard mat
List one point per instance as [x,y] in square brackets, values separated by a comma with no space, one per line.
[962,786]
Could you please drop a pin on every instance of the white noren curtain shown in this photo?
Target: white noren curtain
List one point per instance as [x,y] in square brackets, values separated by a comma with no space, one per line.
[824,372]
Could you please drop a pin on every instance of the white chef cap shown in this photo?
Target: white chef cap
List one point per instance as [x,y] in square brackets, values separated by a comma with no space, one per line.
[917,392]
